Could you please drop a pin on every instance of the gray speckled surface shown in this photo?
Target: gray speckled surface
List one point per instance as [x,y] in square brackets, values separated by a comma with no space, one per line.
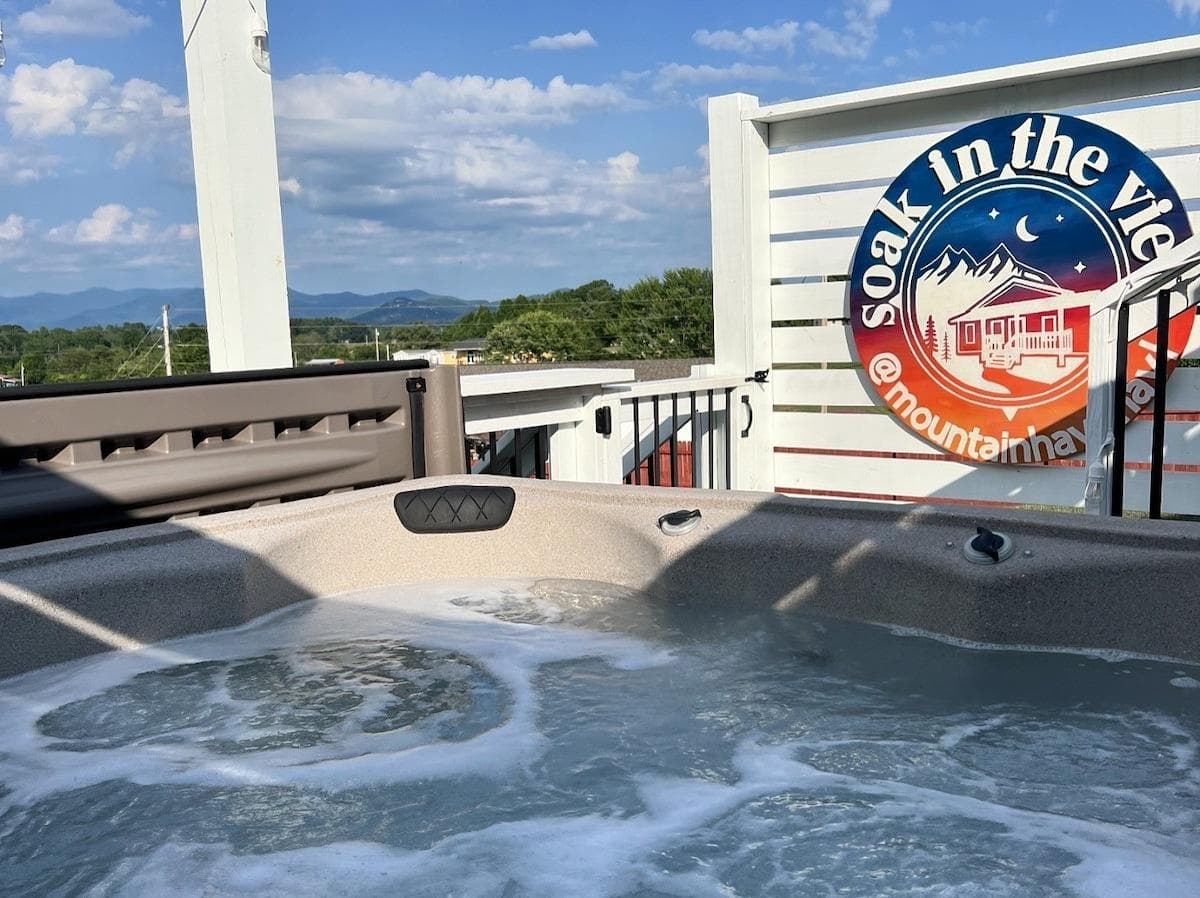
[1089,582]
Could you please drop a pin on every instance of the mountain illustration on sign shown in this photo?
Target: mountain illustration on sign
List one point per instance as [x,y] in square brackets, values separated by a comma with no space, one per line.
[1009,327]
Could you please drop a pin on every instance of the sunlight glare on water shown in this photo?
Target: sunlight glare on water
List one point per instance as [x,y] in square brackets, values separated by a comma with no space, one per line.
[565,738]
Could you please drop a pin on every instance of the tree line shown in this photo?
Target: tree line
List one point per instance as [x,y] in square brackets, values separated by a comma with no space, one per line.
[657,317]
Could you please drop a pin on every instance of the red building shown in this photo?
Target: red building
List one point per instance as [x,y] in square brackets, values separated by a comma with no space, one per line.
[1021,318]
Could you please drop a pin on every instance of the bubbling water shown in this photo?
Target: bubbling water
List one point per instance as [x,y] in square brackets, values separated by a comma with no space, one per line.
[565,738]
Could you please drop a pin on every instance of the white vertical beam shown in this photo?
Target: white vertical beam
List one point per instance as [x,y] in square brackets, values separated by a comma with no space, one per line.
[579,454]
[741,235]
[237,187]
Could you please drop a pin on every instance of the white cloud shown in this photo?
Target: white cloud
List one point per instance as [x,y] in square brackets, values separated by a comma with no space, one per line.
[25,166]
[111,238]
[962,27]
[675,74]
[371,108]
[856,37]
[139,114]
[81,18]
[1185,7]
[853,40]
[572,40]
[623,168]
[12,228]
[436,171]
[105,225]
[289,187]
[66,98]
[751,40]
[116,225]
[46,100]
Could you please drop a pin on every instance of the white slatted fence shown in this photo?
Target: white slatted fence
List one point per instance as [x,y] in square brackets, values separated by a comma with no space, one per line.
[803,178]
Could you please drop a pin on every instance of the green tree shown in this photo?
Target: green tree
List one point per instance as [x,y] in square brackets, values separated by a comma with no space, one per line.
[189,349]
[595,306]
[667,317]
[536,336]
[413,336]
[34,365]
[472,326]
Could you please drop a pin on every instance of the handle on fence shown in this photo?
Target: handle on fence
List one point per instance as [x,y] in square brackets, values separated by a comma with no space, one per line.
[416,388]
[749,416]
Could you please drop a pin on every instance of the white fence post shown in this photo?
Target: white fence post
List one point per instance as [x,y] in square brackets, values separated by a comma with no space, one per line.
[741,234]
[578,453]
[237,186]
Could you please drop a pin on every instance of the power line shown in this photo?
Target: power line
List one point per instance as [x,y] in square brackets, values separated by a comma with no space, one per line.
[533,303]
[367,329]
[145,355]
[149,331]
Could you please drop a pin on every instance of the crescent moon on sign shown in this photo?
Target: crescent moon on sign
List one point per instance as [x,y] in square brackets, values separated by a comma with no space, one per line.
[1023,232]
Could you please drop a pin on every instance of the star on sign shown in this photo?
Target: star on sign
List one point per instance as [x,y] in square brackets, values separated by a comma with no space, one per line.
[1059,218]
[993,215]
[1080,267]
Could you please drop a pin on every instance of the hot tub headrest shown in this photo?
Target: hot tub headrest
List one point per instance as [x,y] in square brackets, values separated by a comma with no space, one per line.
[457,508]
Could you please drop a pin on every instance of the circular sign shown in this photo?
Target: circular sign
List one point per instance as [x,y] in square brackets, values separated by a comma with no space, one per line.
[972,286]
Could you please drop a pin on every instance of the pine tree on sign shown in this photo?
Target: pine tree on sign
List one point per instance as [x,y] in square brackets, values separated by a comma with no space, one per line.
[945,347]
[931,340]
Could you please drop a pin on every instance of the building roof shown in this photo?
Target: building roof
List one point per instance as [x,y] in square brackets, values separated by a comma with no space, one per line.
[479,343]
[1016,292]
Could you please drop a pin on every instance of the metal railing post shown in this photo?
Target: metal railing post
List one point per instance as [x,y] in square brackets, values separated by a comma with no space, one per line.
[1117,488]
[1158,439]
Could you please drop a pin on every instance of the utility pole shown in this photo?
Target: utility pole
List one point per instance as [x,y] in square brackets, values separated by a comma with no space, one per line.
[22,374]
[167,338]
[377,344]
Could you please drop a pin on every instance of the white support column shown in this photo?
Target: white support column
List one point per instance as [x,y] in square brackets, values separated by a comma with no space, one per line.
[237,185]
[741,234]
[579,454]
[1102,338]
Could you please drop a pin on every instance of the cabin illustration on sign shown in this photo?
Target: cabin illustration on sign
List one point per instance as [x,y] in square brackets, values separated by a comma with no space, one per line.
[1023,313]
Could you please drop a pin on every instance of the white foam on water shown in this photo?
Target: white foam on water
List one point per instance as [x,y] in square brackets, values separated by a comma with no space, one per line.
[428,618]
[1113,656]
[511,634]
[592,856]
[1114,860]
[597,856]
[1185,683]
[956,734]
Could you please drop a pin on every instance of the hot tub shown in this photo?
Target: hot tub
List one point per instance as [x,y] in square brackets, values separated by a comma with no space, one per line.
[545,693]
[1073,581]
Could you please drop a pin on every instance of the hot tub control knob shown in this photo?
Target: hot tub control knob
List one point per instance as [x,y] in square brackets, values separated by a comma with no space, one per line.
[677,523]
[987,547]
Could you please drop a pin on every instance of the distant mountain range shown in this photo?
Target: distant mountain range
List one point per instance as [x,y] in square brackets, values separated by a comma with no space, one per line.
[103,306]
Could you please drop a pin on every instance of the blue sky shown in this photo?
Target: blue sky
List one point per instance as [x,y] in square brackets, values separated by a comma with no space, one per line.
[474,148]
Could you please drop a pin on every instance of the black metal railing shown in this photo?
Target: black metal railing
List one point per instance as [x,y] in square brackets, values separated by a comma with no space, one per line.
[1159,410]
[704,419]
[523,452]
[681,437]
